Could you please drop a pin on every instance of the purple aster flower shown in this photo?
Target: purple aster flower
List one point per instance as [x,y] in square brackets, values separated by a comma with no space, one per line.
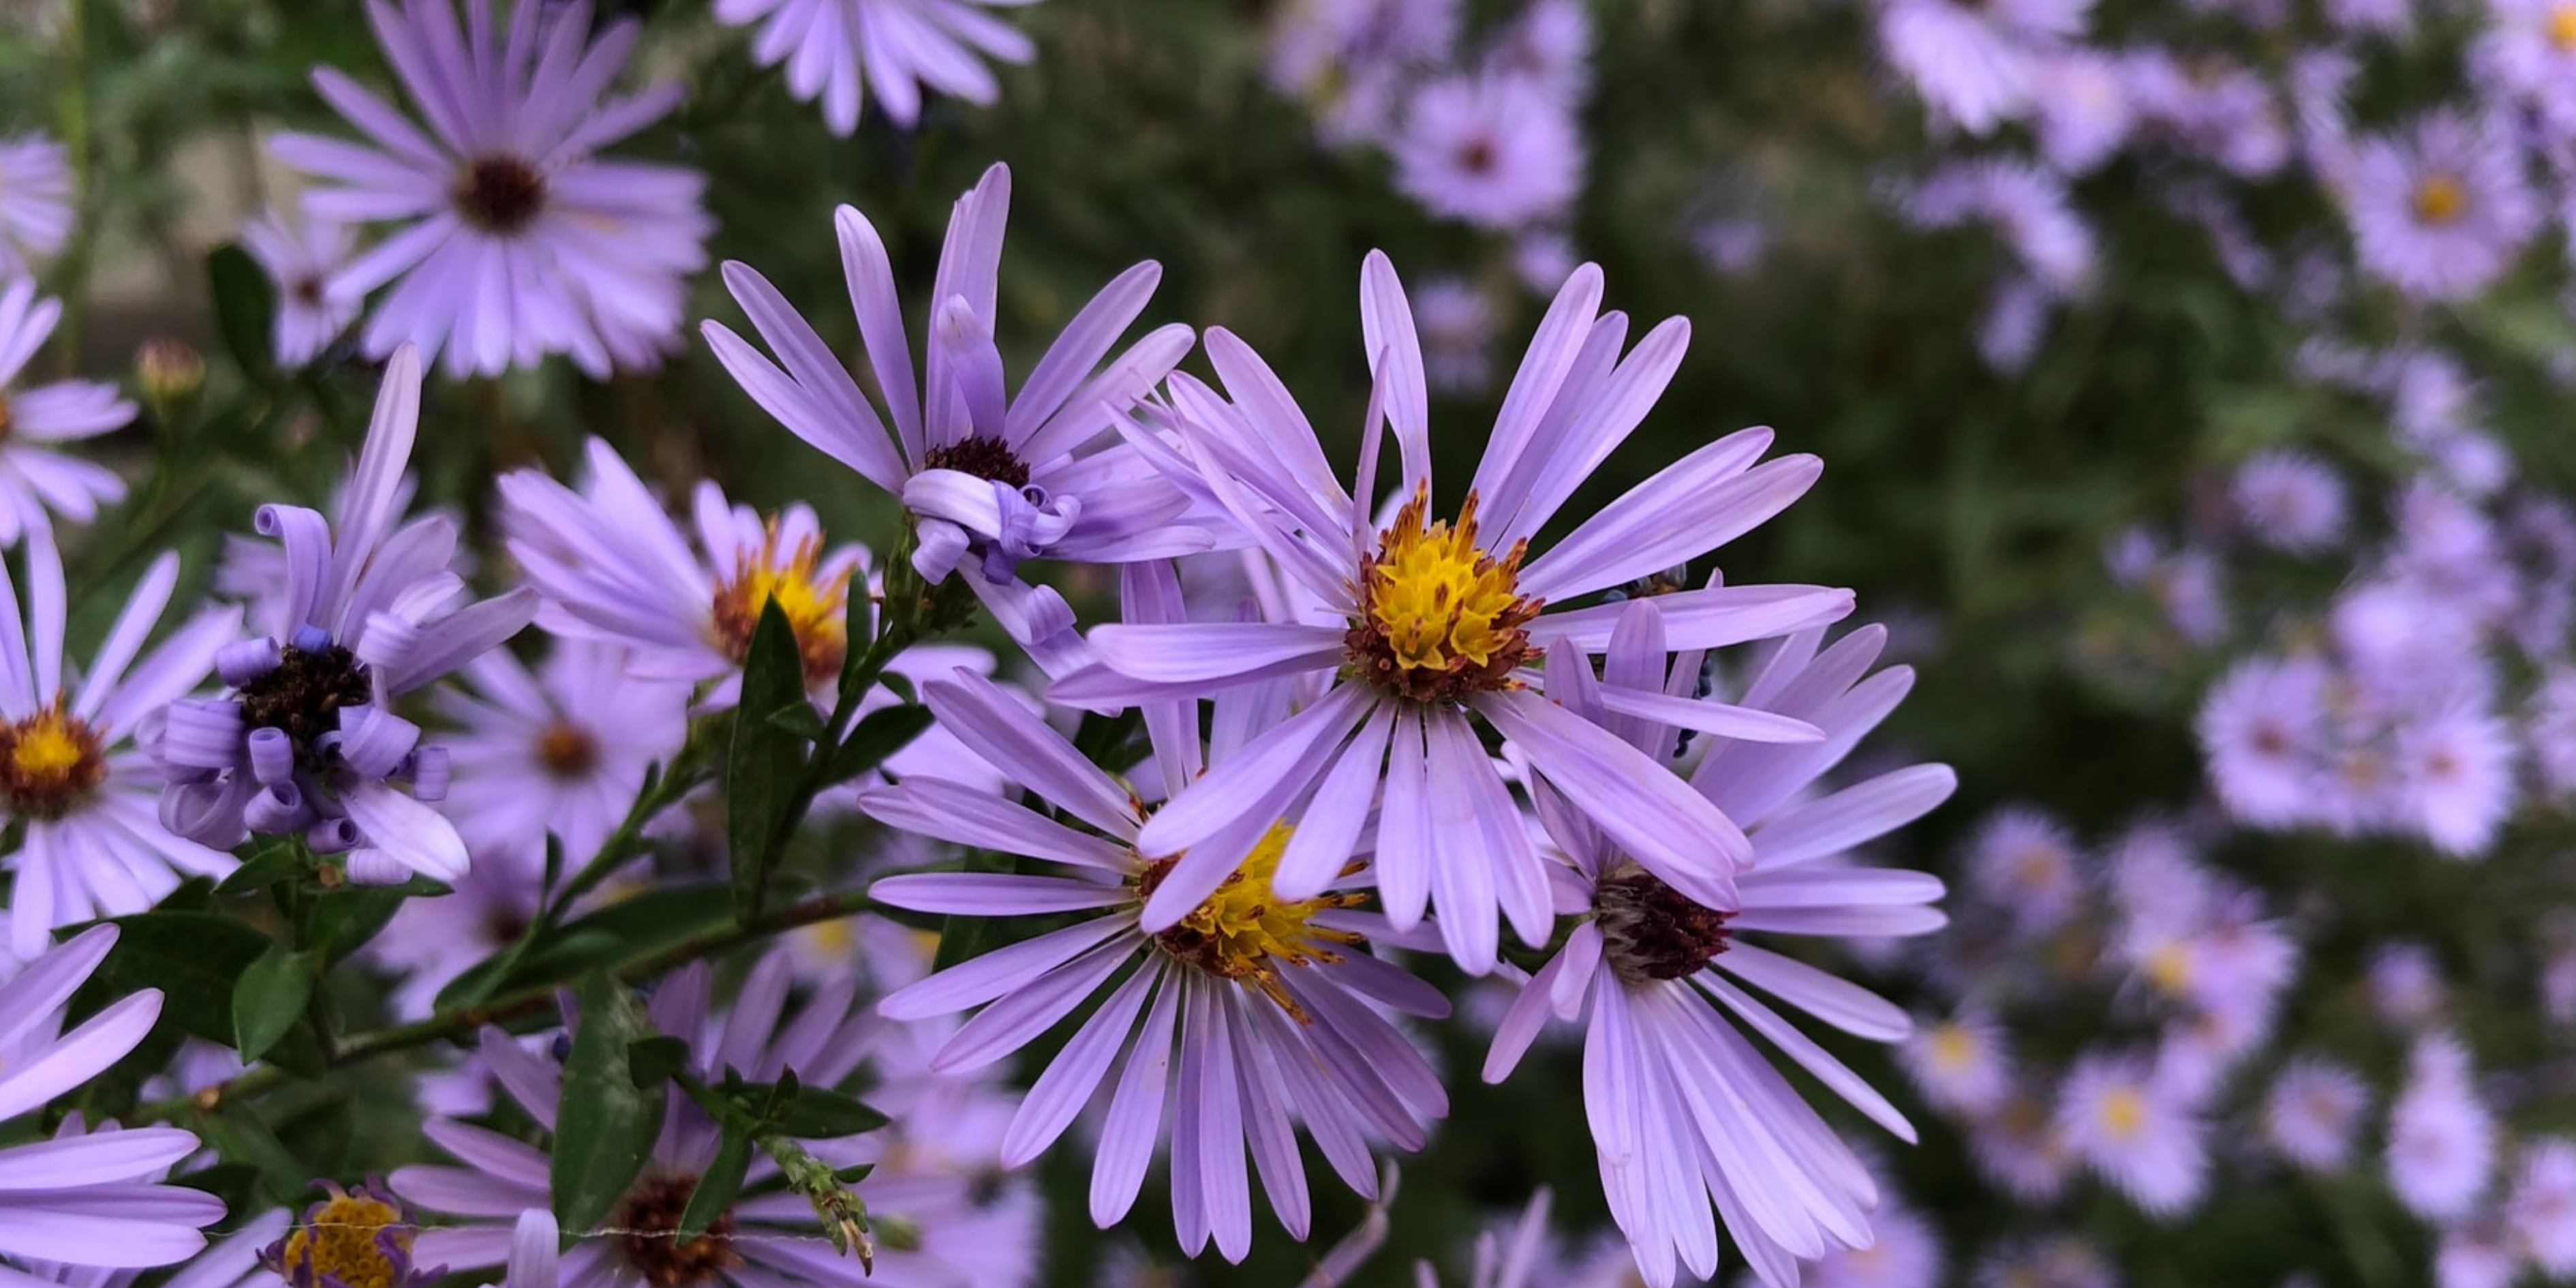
[2209,108]
[519,240]
[35,201]
[2084,109]
[1492,149]
[1266,1004]
[2454,766]
[232,1262]
[35,478]
[2025,862]
[562,751]
[2018,1145]
[2291,501]
[1318,46]
[308,260]
[1457,336]
[2029,207]
[2531,50]
[2441,210]
[2405,984]
[616,570]
[2264,730]
[359,1238]
[2060,1261]
[431,941]
[1684,1111]
[2312,1113]
[1550,42]
[840,51]
[76,765]
[1959,1064]
[2542,1208]
[86,1198]
[1907,1253]
[1418,630]
[766,1237]
[990,478]
[2441,1135]
[1975,64]
[305,739]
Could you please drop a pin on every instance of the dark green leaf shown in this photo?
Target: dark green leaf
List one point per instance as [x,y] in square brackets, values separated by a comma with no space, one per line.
[194,958]
[821,1113]
[717,1186]
[654,1060]
[1103,740]
[345,919]
[880,733]
[762,766]
[618,932]
[274,862]
[245,304]
[800,719]
[604,1124]
[269,998]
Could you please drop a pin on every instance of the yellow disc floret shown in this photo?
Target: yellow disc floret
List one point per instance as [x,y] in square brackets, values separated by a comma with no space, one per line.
[2123,1111]
[1439,617]
[1245,933]
[2562,28]
[49,762]
[813,604]
[354,1239]
[2440,199]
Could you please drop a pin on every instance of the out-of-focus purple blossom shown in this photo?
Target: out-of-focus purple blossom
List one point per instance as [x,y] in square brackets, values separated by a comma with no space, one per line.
[2405,984]
[2389,18]
[2476,1252]
[2015,322]
[2455,768]
[1496,150]
[2209,108]
[2184,584]
[2059,1261]
[2029,207]
[2541,1209]
[2026,863]
[2019,1146]
[308,260]
[2084,110]
[842,52]
[37,481]
[2529,49]
[2290,500]
[1975,64]
[2263,730]
[1906,1253]
[1959,1064]
[2441,1134]
[2135,1132]
[2313,1112]
[1458,325]
[35,201]
[1549,42]
[561,751]
[2442,208]
[1319,46]
[1732,244]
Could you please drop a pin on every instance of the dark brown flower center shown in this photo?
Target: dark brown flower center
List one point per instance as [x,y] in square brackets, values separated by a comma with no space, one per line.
[647,1226]
[49,763]
[499,194]
[985,458]
[6,419]
[567,751]
[1650,930]
[305,693]
[306,289]
[1478,156]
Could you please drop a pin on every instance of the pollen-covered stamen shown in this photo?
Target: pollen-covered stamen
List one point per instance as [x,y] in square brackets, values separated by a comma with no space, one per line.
[304,694]
[355,1239]
[1439,617]
[647,1224]
[985,458]
[813,603]
[1245,933]
[499,194]
[1651,931]
[49,763]
[2440,199]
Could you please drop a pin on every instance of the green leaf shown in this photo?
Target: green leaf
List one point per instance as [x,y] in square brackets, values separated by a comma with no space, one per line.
[274,862]
[269,998]
[717,1186]
[653,1061]
[245,306]
[194,958]
[799,718]
[821,1113]
[762,765]
[345,919]
[880,733]
[621,931]
[604,1124]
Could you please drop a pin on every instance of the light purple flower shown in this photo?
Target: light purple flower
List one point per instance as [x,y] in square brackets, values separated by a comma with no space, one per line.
[1392,685]
[1495,150]
[76,764]
[36,481]
[2084,111]
[2312,1112]
[2029,207]
[1684,1111]
[2454,767]
[305,740]
[2019,1146]
[2441,1135]
[2542,1207]
[562,751]
[518,239]
[2530,49]
[2442,209]
[1266,1006]
[2263,730]
[1906,1254]
[842,51]
[2060,1261]
[1975,64]
[86,1198]
[431,941]
[308,260]
[1550,42]
[35,201]
[2210,109]
[990,478]
[1960,1064]
[2135,1131]
[2025,862]
[2290,501]
[1315,43]
[1457,335]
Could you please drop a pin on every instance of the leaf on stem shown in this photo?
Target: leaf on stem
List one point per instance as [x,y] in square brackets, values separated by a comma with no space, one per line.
[604,1124]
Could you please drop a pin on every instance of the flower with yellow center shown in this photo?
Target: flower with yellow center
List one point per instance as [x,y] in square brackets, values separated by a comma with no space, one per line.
[2123,1112]
[814,604]
[1245,933]
[49,763]
[1440,618]
[354,1239]
[2440,199]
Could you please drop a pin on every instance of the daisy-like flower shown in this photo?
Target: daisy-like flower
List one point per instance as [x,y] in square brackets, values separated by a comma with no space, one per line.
[2542,1207]
[305,740]
[1906,1254]
[35,201]
[990,478]
[2024,862]
[1265,1005]
[91,1199]
[1685,1112]
[1457,336]
[359,1238]
[562,751]
[2291,501]
[37,481]
[616,570]
[1976,64]
[2441,210]
[766,1237]
[2531,50]
[2084,109]
[842,51]
[1419,629]
[308,260]
[2311,1112]
[1959,1064]
[431,941]
[518,239]
[2018,1146]
[2063,1261]
[2441,1135]
[1493,149]
[2135,1131]
[75,763]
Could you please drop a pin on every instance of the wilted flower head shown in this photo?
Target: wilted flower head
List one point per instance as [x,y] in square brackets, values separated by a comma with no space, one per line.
[357,1238]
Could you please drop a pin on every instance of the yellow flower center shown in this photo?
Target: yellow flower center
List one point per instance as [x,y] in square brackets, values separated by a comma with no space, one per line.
[1440,618]
[2169,966]
[813,604]
[2562,28]
[2123,1112]
[2440,199]
[339,1241]
[1952,1048]
[1245,933]
[49,762]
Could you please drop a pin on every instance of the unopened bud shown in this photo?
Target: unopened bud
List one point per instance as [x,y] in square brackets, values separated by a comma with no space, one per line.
[172,375]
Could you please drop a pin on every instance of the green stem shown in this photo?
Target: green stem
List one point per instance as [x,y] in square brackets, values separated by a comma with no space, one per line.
[78,139]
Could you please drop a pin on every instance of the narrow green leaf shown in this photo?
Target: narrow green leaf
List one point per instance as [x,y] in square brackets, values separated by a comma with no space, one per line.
[271,863]
[345,919]
[269,998]
[653,1061]
[762,765]
[604,1124]
[194,958]
[880,733]
[799,718]
[628,928]
[717,1186]
[245,305]
[821,1113]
